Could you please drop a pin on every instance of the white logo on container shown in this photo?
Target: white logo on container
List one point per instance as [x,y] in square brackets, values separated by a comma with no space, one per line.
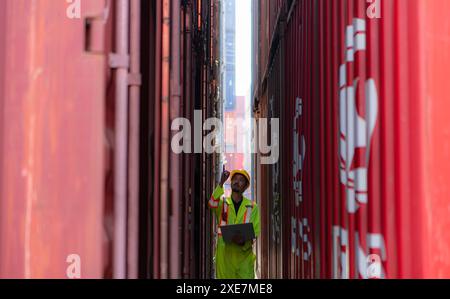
[355,130]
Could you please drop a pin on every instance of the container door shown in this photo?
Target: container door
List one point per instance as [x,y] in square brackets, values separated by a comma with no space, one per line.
[52,85]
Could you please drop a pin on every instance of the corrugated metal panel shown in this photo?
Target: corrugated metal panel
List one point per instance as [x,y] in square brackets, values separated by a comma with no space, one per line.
[364,132]
[182,224]
[274,9]
[263,197]
[275,98]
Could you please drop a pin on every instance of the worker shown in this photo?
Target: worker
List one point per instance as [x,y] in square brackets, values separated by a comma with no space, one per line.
[235,260]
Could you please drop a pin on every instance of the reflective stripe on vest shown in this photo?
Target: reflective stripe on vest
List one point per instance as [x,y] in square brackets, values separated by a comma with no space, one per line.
[248,214]
[223,217]
[213,202]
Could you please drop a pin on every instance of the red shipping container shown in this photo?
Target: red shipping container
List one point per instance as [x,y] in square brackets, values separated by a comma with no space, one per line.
[365,139]
[51,184]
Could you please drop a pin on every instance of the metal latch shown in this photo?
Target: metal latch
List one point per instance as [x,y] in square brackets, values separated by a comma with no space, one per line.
[95,30]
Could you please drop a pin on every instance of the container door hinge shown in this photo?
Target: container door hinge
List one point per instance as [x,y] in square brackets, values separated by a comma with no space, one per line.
[95,28]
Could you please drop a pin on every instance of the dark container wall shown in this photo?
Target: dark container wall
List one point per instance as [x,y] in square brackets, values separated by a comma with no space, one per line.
[275,96]
[180,216]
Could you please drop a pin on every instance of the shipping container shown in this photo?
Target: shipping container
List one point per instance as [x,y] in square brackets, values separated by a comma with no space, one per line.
[88,93]
[362,105]
[49,103]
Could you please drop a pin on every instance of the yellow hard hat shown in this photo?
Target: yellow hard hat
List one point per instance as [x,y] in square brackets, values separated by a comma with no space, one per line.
[243,172]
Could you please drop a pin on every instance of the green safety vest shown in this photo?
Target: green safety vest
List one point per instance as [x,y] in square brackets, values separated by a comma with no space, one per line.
[234,261]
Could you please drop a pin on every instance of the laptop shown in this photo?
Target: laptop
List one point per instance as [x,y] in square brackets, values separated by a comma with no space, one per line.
[245,230]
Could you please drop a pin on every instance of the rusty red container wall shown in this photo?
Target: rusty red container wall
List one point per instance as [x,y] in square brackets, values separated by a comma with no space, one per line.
[262,43]
[57,136]
[364,122]
[180,79]
[51,183]
[274,91]
[255,46]
[273,8]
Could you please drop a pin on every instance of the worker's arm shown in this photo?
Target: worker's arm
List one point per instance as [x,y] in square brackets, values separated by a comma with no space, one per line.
[215,201]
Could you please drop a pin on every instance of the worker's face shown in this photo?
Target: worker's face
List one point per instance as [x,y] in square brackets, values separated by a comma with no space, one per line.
[239,183]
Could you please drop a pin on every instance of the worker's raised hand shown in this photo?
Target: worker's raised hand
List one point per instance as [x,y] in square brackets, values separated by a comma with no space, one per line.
[224,178]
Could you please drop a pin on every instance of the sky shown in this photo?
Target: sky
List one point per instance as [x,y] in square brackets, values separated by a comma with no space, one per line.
[243,69]
[243,79]
[243,47]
